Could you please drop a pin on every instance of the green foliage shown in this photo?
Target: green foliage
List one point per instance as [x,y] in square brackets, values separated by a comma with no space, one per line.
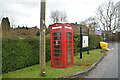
[93,40]
[48,47]
[37,33]
[19,53]
[22,52]
[5,23]
[33,71]
[76,43]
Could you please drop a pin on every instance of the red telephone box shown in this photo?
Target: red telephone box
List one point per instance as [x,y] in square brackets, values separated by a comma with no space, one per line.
[61,45]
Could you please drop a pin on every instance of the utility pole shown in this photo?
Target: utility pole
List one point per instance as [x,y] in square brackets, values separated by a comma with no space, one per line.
[42,38]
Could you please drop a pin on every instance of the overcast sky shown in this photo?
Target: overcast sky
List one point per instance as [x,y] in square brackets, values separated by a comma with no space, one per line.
[27,12]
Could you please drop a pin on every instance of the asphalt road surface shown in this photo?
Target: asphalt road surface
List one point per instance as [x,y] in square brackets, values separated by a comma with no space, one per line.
[108,67]
[119,61]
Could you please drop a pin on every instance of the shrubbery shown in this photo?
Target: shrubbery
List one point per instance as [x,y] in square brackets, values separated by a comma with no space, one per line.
[93,42]
[47,48]
[37,33]
[18,53]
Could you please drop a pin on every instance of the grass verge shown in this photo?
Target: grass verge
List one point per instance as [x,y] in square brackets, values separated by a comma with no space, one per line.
[80,65]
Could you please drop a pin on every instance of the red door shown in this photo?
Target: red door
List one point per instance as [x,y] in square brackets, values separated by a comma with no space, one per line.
[56,49]
[69,48]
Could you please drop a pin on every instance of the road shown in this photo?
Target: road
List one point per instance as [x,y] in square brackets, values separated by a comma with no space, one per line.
[119,60]
[108,67]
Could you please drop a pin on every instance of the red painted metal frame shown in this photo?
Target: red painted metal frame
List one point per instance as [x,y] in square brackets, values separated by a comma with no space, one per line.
[64,57]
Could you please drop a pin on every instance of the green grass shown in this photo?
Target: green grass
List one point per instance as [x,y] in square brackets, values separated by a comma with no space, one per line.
[0,76]
[33,71]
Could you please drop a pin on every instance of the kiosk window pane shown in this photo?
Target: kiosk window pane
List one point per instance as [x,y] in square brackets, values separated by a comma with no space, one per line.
[56,42]
[69,54]
[68,38]
[57,46]
[57,63]
[69,33]
[68,42]
[69,50]
[57,34]
[69,60]
[57,59]
[57,55]
[68,46]
[57,51]
[56,38]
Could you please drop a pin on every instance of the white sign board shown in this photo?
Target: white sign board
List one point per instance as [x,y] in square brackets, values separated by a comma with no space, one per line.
[85,41]
[57,27]
[68,27]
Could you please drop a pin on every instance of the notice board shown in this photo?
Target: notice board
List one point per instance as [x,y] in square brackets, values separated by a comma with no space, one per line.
[85,41]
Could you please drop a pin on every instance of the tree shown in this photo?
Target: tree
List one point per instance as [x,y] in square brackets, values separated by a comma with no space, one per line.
[91,22]
[5,24]
[106,14]
[58,16]
[23,27]
[18,26]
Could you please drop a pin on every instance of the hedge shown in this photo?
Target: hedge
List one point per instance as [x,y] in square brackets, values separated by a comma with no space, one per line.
[19,53]
[93,40]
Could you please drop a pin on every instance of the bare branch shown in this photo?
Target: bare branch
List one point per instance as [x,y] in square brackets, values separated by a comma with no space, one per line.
[58,16]
[106,16]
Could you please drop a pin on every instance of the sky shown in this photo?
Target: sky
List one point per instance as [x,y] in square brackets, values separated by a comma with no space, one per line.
[27,12]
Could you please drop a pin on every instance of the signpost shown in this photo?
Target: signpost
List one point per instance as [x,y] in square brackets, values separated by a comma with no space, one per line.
[80,43]
[88,42]
[98,32]
[84,41]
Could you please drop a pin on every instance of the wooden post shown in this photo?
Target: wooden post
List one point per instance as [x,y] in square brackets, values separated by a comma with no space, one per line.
[42,39]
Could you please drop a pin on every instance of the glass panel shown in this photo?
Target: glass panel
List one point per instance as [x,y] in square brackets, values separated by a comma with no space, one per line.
[69,50]
[68,38]
[57,55]
[69,46]
[57,34]
[69,55]
[69,60]
[57,46]
[56,42]
[57,59]
[68,42]
[57,63]
[69,33]
[57,51]
[56,38]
